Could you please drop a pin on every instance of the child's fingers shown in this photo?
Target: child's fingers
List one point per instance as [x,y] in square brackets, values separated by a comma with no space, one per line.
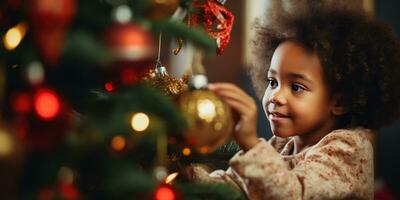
[229,95]
[232,91]
[227,86]
[239,107]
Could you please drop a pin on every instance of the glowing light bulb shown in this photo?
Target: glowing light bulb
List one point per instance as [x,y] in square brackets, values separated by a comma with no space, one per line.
[109,86]
[140,122]
[171,177]
[165,193]
[47,104]
[206,109]
[6,145]
[14,36]
[35,73]
[186,151]
[118,143]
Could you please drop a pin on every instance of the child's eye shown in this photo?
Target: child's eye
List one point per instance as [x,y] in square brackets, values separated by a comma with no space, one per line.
[297,87]
[272,83]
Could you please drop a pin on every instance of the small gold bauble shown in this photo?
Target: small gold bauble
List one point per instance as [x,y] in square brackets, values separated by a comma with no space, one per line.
[209,119]
[169,85]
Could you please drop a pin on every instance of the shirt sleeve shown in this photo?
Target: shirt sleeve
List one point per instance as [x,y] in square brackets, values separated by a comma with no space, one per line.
[340,166]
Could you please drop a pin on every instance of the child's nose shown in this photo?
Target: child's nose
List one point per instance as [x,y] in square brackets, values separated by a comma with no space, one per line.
[278,97]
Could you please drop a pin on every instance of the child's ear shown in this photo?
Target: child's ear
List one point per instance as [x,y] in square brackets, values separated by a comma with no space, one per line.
[339,105]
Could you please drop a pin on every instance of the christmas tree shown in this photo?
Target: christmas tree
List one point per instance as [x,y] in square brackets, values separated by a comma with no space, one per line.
[88,111]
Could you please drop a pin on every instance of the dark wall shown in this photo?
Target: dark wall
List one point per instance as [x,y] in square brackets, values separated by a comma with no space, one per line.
[388,10]
[388,140]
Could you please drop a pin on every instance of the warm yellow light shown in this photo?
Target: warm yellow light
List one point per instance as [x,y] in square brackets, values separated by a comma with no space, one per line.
[186,151]
[204,150]
[14,36]
[206,110]
[66,175]
[171,177]
[140,122]
[6,144]
[118,143]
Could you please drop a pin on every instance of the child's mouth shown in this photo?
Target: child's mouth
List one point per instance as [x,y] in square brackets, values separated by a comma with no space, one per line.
[275,116]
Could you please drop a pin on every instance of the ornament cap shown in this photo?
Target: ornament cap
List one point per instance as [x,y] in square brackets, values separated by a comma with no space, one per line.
[198,81]
[162,71]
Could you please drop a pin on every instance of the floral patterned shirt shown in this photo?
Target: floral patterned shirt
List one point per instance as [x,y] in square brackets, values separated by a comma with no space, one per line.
[339,166]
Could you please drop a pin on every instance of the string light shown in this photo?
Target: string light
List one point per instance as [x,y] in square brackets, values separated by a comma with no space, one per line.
[14,36]
[35,73]
[165,193]
[118,143]
[47,104]
[109,86]
[186,151]
[66,175]
[21,102]
[140,122]
[171,177]
[6,146]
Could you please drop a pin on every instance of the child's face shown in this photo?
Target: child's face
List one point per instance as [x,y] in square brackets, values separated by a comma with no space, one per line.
[296,100]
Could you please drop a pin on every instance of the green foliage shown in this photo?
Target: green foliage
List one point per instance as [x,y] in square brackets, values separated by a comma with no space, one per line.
[199,191]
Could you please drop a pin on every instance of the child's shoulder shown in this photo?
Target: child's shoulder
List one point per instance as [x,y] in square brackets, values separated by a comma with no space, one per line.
[348,136]
[350,144]
[355,137]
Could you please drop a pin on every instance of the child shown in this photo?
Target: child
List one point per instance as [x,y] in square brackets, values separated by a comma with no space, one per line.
[330,76]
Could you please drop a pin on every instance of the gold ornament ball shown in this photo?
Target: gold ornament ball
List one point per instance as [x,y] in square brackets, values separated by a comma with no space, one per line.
[162,8]
[209,118]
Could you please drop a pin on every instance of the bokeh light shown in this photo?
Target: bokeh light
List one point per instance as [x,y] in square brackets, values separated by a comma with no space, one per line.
[165,193]
[35,73]
[109,87]
[118,143]
[186,151]
[140,122]
[14,36]
[171,177]
[47,104]
[6,144]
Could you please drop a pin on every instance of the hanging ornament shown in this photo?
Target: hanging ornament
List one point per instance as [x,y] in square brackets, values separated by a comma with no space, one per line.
[159,9]
[132,50]
[160,79]
[50,20]
[215,19]
[209,118]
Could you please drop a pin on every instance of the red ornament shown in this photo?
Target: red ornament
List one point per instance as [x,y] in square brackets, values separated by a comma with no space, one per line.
[132,50]
[213,14]
[50,20]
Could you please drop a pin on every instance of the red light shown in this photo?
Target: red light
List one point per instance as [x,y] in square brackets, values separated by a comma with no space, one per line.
[109,87]
[129,76]
[47,104]
[21,102]
[165,193]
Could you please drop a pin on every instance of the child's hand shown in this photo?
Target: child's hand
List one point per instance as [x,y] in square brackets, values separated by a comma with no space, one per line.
[245,132]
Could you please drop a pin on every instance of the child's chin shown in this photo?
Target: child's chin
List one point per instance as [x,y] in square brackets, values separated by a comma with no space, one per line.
[282,133]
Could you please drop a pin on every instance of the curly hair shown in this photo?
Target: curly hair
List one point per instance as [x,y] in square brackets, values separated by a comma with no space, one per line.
[360,56]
